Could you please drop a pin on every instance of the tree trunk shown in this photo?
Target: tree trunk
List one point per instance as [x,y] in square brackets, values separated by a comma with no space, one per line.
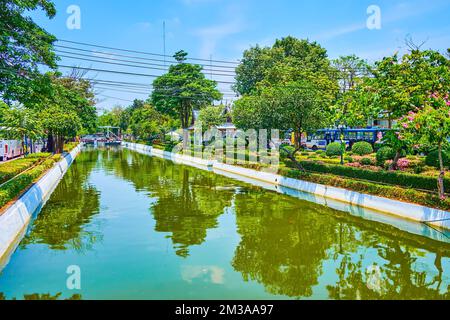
[441,174]
[394,165]
[50,143]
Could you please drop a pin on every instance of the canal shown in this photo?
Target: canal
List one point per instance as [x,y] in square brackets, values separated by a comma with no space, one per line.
[139,227]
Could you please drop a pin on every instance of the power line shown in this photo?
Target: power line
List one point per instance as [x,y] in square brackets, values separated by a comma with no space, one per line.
[124,73]
[124,60]
[141,58]
[132,65]
[142,52]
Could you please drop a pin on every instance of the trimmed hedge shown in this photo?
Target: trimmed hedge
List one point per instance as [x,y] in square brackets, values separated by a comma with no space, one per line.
[389,177]
[14,187]
[392,192]
[334,149]
[362,148]
[69,146]
[13,168]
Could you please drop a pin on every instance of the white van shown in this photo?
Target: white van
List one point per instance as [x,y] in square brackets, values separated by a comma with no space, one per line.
[10,149]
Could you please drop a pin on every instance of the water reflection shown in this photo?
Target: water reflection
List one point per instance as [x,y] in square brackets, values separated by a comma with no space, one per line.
[61,223]
[188,202]
[285,244]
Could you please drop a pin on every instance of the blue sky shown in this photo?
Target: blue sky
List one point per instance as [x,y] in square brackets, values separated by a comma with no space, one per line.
[224,29]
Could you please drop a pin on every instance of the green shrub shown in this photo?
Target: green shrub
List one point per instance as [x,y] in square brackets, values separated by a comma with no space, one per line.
[432,159]
[362,148]
[334,149]
[16,186]
[284,151]
[404,179]
[349,159]
[13,168]
[366,162]
[383,154]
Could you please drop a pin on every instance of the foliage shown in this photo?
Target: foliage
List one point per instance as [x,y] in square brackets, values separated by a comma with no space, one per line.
[430,124]
[390,177]
[10,169]
[17,122]
[145,122]
[23,46]
[183,89]
[385,153]
[366,162]
[392,192]
[212,116]
[16,186]
[334,149]
[432,159]
[362,148]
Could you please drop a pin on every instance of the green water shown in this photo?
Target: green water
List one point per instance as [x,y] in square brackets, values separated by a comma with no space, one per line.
[144,228]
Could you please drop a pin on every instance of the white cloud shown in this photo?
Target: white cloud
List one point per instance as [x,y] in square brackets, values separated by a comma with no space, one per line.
[211,35]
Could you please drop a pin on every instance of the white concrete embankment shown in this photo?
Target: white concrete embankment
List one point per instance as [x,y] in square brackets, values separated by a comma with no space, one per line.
[15,219]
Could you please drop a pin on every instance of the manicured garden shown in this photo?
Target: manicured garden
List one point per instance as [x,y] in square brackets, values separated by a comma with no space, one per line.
[16,176]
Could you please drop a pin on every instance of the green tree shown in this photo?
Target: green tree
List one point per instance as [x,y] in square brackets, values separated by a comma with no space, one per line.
[145,122]
[430,124]
[183,89]
[23,46]
[59,123]
[212,116]
[72,95]
[17,122]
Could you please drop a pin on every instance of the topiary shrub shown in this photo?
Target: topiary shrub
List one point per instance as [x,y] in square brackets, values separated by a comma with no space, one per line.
[349,159]
[334,149]
[362,148]
[383,154]
[366,161]
[432,159]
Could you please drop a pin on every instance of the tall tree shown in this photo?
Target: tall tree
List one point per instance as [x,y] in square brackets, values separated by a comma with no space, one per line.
[23,46]
[183,89]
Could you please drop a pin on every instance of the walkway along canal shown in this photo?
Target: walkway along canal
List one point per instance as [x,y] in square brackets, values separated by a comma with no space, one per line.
[140,227]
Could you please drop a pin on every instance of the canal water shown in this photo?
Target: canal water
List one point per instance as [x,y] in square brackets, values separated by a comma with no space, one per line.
[137,227]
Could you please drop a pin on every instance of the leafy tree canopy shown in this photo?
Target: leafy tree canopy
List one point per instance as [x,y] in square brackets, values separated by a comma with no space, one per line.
[23,46]
[183,89]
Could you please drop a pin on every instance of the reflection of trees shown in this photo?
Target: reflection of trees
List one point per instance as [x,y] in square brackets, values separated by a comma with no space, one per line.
[45,296]
[283,244]
[61,222]
[188,207]
[189,200]
[394,280]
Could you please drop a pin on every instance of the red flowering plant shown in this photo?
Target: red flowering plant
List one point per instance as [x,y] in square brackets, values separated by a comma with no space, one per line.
[429,124]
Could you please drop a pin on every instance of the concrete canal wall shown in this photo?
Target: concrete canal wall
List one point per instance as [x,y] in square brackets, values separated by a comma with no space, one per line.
[389,211]
[15,219]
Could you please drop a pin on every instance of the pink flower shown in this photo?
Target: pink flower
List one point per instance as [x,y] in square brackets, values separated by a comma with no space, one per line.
[410,119]
[405,125]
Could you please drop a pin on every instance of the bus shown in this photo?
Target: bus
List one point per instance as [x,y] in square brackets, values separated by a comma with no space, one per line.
[10,149]
[322,138]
